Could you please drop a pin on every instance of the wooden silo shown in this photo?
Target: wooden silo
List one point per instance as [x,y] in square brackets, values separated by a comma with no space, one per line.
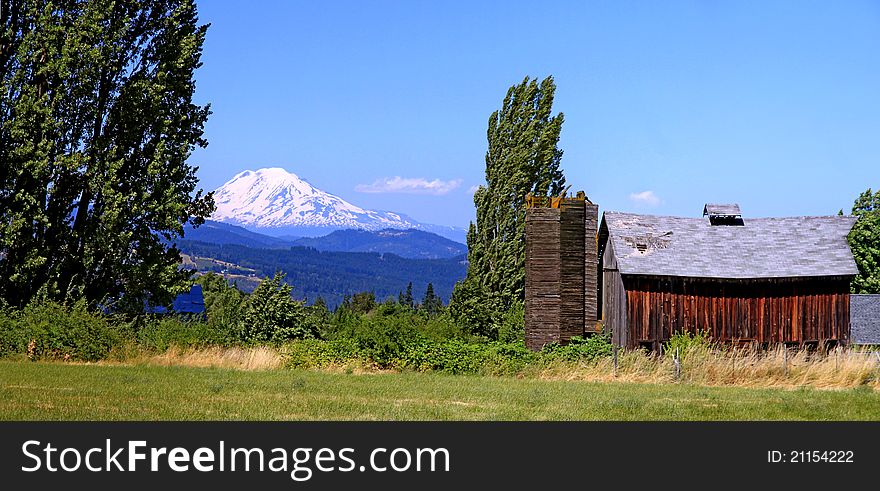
[561,259]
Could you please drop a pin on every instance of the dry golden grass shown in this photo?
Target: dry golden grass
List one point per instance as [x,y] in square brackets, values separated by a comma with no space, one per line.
[256,358]
[700,365]
[837,369]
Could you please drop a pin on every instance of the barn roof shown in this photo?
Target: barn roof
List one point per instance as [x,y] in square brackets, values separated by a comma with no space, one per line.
[864,314]
[760,248]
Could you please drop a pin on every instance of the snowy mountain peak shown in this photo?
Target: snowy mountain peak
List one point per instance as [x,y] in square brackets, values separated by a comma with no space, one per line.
[276,201]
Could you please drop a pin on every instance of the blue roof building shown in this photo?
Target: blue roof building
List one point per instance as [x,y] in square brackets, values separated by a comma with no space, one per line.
[189,303]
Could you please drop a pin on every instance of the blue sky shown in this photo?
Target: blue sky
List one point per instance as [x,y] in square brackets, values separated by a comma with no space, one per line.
[775,105]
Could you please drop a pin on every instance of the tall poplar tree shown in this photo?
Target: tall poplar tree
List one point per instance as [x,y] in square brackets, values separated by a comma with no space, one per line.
[97,121]
[522,157]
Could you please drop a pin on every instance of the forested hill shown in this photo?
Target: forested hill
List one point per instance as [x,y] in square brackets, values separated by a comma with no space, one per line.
[335,274]
[411,243]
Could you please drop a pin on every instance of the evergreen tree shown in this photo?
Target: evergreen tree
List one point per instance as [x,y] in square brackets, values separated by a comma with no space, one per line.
[864,240]
[97,122]
[431,303]
[408,297]
[522,158]
[320,303]
[363,302]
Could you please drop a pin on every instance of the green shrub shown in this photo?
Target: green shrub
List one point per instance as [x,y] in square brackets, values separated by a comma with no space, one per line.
[270,314]
[14,337]
[161,333]
[48,330]
[315,353]
[578,348]
[513,327]
[223,305]
[687,343]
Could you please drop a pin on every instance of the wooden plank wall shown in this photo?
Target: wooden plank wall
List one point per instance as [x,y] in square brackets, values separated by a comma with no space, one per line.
[592,268]
[807,310]
[543,273]
[613,299]
[571,259]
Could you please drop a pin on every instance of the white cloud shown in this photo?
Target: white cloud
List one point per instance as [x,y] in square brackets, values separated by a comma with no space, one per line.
[409,185]
[473,189]
[645,198]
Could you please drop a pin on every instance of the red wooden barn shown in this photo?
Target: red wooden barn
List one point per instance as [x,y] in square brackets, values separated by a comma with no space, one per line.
[761,280]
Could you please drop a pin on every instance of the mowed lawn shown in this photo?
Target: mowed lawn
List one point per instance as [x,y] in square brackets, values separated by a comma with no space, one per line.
[57,391]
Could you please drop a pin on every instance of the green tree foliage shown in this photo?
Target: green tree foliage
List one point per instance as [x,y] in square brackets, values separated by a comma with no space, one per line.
[271,314]
[864,240]
[97,122]
[408,297]
[223,304]
[360,303]
[320,304]
[431,303]
[522,158]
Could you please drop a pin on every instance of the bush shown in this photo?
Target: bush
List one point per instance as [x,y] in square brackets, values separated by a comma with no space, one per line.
[687,343]
[161,333]
[51,331]
[271,314]
[223,306]
[578,348]
[513,326]
[314,353]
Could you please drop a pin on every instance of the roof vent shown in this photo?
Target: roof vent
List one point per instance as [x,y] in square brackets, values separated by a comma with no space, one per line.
[720,214]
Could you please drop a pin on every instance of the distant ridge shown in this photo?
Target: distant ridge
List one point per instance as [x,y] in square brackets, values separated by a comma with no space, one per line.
[410,243]
[224,233]
[276,202]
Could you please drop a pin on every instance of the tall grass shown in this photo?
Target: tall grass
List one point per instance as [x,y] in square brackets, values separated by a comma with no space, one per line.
[239,358]
[732,366]
[706,366]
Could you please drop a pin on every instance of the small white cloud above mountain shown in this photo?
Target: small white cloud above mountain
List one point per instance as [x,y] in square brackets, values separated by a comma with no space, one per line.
[645,198]
[409,185]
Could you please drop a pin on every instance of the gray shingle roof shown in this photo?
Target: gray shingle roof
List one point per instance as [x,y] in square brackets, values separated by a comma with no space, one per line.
[864,315]
[762,248]
[719,209]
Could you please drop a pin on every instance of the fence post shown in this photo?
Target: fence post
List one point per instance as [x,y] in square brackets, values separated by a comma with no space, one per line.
[733,363]
[614,358]
[676,360]
[785,360]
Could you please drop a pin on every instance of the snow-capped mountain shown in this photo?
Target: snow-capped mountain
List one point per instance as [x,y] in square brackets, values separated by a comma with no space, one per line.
[278,202]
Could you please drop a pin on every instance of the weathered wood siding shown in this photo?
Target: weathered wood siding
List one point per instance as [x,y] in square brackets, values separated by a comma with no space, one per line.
[592,269]
[613,299]
[571,260]
[543,273]
[789,310]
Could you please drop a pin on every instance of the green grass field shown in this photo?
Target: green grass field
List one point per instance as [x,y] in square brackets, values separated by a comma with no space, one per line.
[57,391]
